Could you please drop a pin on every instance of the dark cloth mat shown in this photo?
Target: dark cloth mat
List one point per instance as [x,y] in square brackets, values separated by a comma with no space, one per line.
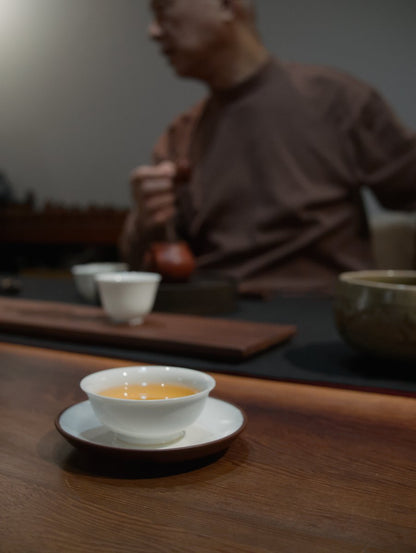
[315,355]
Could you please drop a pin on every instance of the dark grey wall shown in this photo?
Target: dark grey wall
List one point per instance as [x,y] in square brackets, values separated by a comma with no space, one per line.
[373,39]
[84,94]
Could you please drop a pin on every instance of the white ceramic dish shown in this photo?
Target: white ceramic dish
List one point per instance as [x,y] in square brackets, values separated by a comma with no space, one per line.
[127,297]
[217,426]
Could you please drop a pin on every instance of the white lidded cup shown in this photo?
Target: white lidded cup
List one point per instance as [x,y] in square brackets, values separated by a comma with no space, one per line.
[128,296]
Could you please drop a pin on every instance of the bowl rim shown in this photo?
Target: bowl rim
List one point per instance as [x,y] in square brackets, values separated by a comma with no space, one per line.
[360,278]
[211,383]
[133,277]
[90,269]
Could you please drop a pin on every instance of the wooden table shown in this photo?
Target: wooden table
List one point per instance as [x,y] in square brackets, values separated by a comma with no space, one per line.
[317,469]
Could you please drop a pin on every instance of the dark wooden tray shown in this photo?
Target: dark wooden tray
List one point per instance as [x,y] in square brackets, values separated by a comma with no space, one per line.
[187,334]
[202,295]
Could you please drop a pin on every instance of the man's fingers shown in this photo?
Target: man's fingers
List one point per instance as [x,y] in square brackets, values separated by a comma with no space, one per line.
[153,190]
[159,202]
[166,169]
[164,215]
[153,186]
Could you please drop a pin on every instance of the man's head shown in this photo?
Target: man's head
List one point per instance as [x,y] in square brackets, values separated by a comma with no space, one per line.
[201,37]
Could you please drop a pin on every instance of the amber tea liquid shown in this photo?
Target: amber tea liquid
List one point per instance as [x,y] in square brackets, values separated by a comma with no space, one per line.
[154,390]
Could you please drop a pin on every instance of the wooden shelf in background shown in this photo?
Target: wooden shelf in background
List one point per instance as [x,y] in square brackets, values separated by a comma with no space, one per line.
[61,226]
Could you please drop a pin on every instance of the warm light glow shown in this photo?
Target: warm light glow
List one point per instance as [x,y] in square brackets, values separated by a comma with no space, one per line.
[11,12]
[17,21]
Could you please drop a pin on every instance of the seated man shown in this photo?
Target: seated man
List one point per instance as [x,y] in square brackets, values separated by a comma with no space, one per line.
[263,177]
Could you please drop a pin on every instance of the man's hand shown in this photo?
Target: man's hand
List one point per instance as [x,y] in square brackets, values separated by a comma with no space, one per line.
[153,192]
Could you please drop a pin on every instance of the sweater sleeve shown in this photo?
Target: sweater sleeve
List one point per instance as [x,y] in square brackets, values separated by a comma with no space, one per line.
[385,152]
[175,143]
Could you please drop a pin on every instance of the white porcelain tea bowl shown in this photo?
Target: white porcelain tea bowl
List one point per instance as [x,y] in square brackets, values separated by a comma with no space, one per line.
[84,277]
[147,421]
[128,296]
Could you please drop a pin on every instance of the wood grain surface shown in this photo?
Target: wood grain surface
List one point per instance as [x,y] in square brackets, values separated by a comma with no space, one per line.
[316,470]
[192,334]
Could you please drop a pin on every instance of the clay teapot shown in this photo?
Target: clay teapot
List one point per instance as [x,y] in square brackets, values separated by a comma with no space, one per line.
[172,259]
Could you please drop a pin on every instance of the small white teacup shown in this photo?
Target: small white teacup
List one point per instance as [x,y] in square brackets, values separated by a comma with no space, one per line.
[84,276]
[128,296]
[148,421]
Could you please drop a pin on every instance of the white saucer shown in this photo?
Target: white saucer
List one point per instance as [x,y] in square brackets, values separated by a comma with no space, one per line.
[219,423]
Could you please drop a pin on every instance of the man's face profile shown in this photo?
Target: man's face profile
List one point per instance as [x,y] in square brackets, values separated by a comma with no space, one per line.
[187,32]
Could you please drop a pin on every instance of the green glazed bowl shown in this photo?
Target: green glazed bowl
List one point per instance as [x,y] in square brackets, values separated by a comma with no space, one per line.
[375,312]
